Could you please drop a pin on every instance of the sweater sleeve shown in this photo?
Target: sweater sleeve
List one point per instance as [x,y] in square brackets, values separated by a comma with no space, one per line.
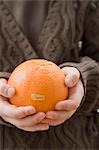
[89,71]
[5,75]
[89,62]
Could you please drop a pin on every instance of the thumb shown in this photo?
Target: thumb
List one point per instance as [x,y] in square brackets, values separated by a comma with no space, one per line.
[72,76]
[5,89]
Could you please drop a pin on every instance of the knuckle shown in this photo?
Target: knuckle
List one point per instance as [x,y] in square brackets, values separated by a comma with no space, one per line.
[16,114]
[75,106]
[64,107]
[19,113]
[55,116]
[4,112]
[3,89]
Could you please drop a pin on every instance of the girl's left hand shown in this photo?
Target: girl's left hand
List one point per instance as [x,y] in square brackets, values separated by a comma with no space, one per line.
[65,109]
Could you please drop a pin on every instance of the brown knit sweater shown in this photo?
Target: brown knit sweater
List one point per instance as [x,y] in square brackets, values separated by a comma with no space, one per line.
[66,23]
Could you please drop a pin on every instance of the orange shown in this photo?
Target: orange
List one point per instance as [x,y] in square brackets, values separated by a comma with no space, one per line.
[39,83]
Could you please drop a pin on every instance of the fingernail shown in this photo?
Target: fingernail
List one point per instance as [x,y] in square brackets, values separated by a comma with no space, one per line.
[11,92]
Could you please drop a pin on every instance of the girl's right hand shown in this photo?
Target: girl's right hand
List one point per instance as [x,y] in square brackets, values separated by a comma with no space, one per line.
[23,117]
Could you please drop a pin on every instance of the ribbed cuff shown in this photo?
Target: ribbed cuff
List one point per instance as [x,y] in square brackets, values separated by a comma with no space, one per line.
[3,122]
[89,71]
[4,75]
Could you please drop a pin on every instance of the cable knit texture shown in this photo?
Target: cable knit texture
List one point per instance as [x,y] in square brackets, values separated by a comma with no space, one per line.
[67,23]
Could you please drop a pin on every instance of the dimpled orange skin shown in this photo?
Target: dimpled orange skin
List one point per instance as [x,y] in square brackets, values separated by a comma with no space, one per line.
[39,83]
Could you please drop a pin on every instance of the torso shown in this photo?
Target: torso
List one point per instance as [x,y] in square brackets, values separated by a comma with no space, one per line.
[30,16]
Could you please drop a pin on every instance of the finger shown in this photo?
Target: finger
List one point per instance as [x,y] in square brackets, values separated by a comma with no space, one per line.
[9,110]
[31,120]
[5,89]
[55,122]
[77,92]
[67,105]
[39,127]
[74,99]
[22,112]
[62,117]
[55,115]
[3,80]
[72,76]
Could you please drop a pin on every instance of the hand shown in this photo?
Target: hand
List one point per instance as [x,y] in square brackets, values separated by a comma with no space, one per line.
[24,118]
[65,109]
